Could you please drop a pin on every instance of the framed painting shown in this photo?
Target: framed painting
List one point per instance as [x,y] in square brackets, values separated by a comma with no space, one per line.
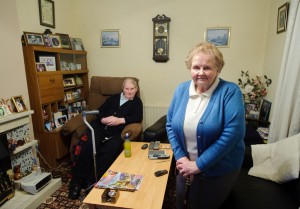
[34,38]
[282,18]
[47,13]
[110,39]
[219,36]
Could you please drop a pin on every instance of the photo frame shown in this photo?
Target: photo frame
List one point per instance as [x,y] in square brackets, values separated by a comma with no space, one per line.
[47,40]
[40,67]
[265,110]
[69,96]
[49,61]
[19,103]
[282,18]
[76,44]
[48,126]
[110,38]
[47,13]
[219,36]
[56,42]
[252,109]
[34,39]
[61,121]
[69,82]
[65,41]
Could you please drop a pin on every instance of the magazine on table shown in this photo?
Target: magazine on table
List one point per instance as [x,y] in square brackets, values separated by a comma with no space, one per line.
[120,180]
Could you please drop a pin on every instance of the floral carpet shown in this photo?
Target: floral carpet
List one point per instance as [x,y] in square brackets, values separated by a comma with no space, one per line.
[60,200]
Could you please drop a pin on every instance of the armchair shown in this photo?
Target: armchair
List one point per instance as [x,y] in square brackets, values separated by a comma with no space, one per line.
[100,89]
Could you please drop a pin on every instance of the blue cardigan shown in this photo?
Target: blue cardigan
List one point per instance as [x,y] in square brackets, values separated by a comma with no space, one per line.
[220,131]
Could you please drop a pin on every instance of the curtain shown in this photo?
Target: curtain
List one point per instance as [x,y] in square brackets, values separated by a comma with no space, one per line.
[286,113]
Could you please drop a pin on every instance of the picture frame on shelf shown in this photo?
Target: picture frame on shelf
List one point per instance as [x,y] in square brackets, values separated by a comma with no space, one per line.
[76,95]
[61,121]
[69,82]
[49,61]
[251,108]
[48,41]
[110,38]
[69,96]
[47,13]
[76,44]
[34,39]
[65,41]
[219,36]
[19,103]
[40,67]
[56,42]
[78,81]
[282,18]
[265,110]
[48,126]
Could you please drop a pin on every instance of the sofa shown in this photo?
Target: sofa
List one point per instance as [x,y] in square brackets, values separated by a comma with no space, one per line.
[249,192]
[100,89]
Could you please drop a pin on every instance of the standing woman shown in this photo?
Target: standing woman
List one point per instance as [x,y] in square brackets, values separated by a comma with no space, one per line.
[206,127]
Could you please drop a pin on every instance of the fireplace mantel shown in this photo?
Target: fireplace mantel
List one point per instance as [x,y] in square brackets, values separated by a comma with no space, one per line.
[15,120]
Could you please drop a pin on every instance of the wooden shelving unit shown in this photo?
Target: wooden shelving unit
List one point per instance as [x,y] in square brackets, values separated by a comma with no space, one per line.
[47,94]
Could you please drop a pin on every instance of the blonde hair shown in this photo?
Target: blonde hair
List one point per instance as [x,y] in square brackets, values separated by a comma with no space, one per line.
[207,48]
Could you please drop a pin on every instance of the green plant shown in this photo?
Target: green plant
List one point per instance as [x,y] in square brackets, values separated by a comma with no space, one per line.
[254,88]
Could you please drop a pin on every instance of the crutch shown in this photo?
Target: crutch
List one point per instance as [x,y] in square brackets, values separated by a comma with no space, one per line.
[92,112]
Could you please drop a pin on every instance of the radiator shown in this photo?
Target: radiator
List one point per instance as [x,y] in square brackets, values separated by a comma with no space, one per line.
[152,114]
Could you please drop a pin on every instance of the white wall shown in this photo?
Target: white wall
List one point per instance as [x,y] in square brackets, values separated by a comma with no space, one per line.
[248,20]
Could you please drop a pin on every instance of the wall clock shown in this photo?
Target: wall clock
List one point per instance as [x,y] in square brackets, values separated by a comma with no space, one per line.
[161,38]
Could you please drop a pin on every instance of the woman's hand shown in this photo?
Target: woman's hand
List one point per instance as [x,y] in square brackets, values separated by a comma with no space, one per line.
[186,167]
[112,121]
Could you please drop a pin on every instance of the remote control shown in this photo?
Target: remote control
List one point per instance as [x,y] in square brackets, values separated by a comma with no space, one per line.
[160,173]
[156,145]
[151,146]
[144,146]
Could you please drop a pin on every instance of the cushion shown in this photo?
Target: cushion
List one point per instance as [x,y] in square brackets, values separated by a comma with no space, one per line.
[278,162]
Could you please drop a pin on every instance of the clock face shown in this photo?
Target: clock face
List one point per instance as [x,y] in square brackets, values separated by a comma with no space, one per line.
[161,29]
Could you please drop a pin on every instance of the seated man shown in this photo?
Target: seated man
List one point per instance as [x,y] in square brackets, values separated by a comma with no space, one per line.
[116,112]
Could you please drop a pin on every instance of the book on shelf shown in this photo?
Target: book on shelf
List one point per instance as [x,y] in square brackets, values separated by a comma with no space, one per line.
[120,180]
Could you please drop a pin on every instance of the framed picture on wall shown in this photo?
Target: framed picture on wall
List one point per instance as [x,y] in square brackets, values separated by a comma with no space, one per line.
[110,39]
[47,13]
[219,36]
[282,17]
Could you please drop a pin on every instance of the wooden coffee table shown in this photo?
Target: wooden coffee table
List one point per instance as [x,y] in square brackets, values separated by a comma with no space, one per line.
[151,193]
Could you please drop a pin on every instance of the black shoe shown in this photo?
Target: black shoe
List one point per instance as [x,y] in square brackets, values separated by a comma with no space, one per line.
[74,191]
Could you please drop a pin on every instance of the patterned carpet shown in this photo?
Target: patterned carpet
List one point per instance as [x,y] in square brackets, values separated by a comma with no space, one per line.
[60,200]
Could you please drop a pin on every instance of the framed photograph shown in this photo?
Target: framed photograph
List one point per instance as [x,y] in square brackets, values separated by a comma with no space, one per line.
[61,121]
[49,61]
[56,42]
[265,110]
[47,13]
[282,17]
[76,95]
[76,44]
[252,109]
[65,41]
[110,39]
[47,40]
[48,126]
[19,103]
[69,82]
[34,38]
[40,67]
[78,81]
[219,36]
[69,96]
